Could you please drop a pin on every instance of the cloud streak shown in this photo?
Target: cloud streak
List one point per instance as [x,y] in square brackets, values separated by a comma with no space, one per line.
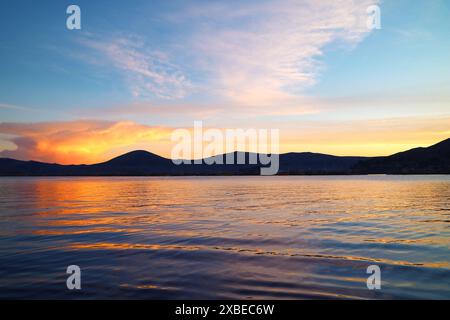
[13,107]
[266,52]
[148,72]
[253,54]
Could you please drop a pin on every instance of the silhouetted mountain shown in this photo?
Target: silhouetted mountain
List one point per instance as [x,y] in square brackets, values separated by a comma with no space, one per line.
[134,163]
[431,160]
[435,159]
[316,163]
[145,163]
[12,167]
[138,158]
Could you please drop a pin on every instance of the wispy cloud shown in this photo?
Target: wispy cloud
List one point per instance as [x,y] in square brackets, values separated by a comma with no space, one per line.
[266,52]
[256,53]
[13,107]
[148,71]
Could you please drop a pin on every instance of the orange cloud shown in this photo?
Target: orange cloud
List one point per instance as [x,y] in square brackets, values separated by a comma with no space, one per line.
[77,142]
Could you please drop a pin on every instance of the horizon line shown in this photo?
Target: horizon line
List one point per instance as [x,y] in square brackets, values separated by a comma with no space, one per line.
[223,154]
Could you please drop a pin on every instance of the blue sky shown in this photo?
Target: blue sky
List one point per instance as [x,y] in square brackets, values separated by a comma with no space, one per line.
[310,68]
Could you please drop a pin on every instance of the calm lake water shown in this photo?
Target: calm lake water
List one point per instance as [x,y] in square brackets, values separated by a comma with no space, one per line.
[225,237]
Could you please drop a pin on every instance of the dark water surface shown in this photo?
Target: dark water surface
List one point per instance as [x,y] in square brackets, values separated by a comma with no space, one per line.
[225,237]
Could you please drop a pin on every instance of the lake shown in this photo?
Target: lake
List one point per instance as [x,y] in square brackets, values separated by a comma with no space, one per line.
[290,237]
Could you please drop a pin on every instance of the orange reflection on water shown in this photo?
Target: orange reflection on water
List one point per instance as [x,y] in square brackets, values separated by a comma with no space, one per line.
[374,218]
[247,228]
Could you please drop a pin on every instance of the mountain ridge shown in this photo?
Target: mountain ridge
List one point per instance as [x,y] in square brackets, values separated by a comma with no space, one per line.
[429,160]
[434,159]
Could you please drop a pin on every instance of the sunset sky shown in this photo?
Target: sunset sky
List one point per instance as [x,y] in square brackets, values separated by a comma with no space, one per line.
[139,69]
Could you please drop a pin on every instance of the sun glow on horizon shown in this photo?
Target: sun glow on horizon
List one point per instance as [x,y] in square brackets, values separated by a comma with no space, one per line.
[88,142]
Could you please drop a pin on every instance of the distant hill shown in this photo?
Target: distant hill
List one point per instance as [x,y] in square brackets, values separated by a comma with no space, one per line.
[316,163]
[143,163]
[12,167]
[431,160]
[434,159]
[135,163]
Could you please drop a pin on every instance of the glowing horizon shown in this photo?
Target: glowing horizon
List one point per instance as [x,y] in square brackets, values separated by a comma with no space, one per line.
[89,142]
